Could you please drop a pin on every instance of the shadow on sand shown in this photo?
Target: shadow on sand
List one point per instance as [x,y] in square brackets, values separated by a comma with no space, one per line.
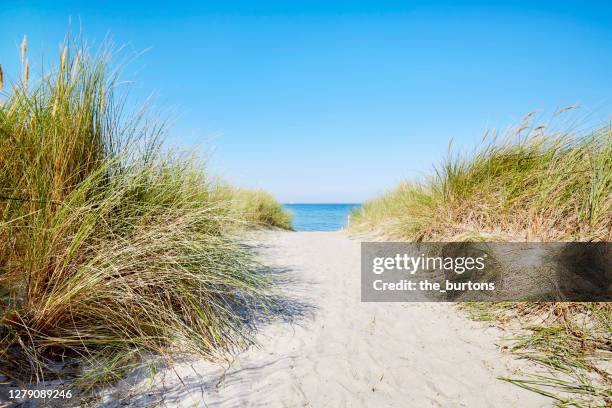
[191,380]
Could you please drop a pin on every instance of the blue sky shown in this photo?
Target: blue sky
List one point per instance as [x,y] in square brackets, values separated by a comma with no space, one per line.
[338,101]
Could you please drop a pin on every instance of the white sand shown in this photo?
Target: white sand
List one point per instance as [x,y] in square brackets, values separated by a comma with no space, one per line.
[348,353]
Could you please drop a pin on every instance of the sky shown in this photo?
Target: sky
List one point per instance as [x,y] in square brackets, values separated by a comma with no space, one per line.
[336,101]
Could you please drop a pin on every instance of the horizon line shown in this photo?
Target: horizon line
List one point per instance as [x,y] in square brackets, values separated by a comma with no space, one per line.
[319,203]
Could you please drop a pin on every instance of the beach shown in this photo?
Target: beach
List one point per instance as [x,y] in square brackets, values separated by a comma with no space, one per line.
[332,204]
[335,351]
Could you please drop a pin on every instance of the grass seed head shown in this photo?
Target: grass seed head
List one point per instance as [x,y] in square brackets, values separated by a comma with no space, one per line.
[24,49]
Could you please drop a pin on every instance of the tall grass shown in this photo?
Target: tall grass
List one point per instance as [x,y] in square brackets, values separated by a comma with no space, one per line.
[253,208]
[529,184]
[109,245]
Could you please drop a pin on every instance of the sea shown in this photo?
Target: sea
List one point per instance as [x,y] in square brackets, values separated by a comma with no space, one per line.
[320,217]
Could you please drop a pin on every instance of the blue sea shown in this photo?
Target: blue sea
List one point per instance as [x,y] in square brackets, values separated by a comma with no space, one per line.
[320,217]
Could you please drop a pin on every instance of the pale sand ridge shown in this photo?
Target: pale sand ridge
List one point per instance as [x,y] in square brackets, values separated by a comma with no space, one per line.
[347,353]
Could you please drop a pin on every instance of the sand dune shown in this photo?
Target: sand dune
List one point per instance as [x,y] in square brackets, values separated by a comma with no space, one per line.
[345,353]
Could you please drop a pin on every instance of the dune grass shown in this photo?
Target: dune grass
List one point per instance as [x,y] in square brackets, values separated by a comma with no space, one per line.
[570,342]
[254,208]
[109,244]
[529,184]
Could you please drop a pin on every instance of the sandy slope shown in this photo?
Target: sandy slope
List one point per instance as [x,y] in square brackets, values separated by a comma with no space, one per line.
[348,353]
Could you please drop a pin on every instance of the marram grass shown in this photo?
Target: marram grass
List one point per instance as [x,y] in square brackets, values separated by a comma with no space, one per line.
[109,245]
[252,207]
[569,342]
[530,184]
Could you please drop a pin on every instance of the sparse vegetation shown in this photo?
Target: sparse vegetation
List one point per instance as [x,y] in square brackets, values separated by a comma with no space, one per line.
[109,244]
[571,341]
[531,184]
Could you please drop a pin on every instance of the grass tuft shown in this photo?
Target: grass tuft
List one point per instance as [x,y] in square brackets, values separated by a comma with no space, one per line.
[253,208]
[109,245]
[529,184]
[570,342]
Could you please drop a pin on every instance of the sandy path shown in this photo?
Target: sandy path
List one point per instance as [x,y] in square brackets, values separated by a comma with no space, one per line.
[350,354]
